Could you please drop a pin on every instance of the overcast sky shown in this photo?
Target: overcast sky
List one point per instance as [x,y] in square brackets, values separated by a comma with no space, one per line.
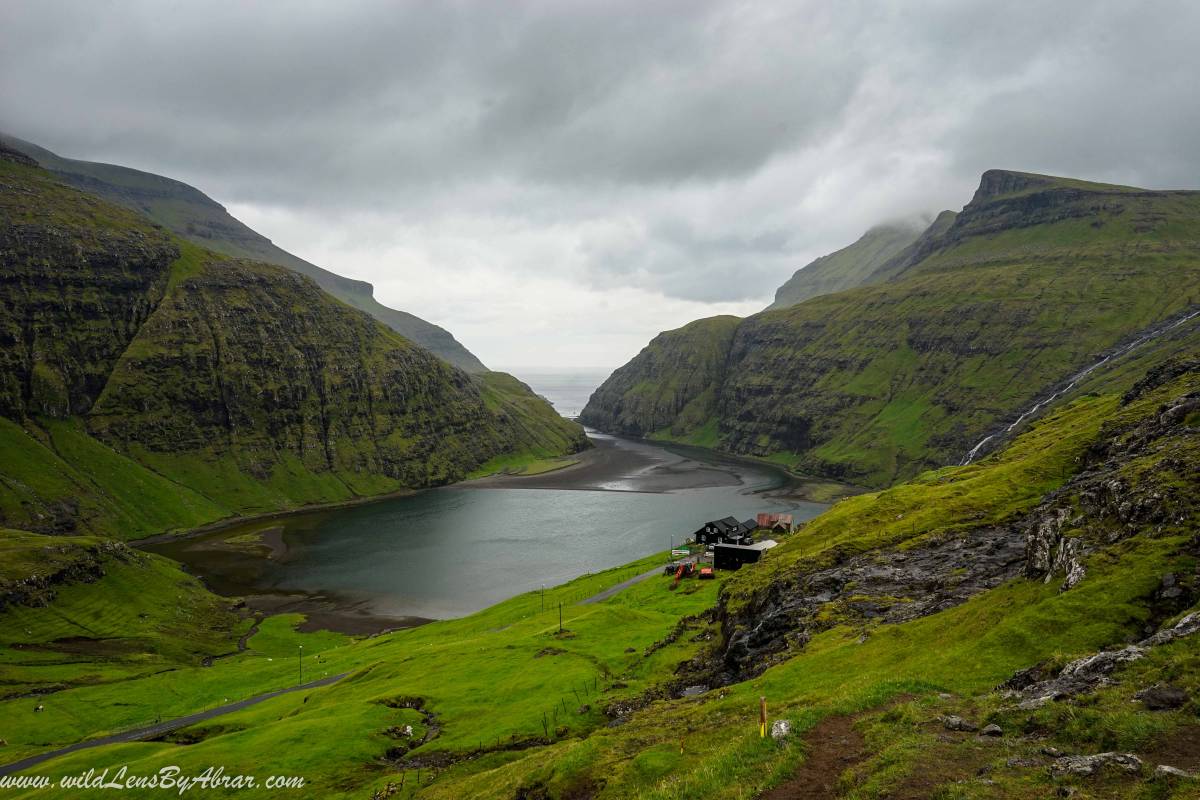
[555,182]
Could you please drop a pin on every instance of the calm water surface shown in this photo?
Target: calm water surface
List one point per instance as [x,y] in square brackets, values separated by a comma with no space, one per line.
[451,551]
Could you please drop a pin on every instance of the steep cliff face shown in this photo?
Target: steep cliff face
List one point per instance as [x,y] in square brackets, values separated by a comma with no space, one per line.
[670,387]
[149,383]
[190,214]
[251,361]
[849,267]
[983,314]
[73,293]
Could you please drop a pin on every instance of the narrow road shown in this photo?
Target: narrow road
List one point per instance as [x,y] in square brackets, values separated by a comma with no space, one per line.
[160,728]
[623,585]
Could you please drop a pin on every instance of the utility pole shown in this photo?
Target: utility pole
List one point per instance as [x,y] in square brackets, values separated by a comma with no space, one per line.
[543,594]
[300,661]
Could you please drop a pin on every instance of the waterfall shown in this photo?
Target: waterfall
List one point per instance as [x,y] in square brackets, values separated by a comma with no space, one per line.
[1154,333]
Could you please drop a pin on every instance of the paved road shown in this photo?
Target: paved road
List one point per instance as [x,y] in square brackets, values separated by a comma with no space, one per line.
[610,591]
[159,729]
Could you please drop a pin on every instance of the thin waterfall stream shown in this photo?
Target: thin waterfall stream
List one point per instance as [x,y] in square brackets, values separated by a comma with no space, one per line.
[1149,336]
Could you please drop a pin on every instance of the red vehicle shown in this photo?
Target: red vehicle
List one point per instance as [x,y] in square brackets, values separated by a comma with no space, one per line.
[684,570]
[707,574]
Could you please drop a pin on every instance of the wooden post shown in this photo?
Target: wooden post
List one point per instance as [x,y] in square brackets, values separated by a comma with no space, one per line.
[560,617]
[762,717]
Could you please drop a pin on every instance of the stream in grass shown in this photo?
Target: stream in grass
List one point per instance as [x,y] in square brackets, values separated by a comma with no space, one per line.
[451,551]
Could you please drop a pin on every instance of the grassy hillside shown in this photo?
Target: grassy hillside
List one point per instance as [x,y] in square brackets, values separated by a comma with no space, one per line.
[190,214]
[849,267]
[153,385]
[84,611]
[870,625]
[985,313]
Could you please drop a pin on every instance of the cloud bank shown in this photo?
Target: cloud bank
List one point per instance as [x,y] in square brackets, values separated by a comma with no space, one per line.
[556,182]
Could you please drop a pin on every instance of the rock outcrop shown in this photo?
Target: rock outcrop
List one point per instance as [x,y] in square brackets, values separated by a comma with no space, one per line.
[1116,495]
[1033,688]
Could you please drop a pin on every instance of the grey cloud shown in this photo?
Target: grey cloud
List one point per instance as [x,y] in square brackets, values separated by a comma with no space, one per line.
[697,148]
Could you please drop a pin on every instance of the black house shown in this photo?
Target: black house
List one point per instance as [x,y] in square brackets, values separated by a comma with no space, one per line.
[726,531]
[732,556]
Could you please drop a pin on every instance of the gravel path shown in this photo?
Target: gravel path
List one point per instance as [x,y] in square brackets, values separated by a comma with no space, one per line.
[151,731]
[610,591]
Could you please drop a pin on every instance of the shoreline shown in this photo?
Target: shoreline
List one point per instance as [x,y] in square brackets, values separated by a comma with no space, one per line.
[267,516]
[612,465]
[609,460]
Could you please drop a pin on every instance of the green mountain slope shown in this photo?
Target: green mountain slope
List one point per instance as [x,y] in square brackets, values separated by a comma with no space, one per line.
[886,632]
[849,267]
[149,384]
[670,384]
[985,313]
[192,215]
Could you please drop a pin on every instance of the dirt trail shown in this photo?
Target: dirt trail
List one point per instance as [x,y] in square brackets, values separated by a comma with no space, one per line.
[830,749]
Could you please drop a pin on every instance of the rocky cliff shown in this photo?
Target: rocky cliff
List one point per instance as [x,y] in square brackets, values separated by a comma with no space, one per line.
[149,383]
[190,214]
[1036,278]
[1127,473]
[670,386]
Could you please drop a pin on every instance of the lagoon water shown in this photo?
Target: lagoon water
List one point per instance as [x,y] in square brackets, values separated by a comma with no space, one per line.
[451,551]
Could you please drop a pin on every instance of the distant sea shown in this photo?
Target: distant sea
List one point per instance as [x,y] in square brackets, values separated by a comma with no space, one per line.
[567,390]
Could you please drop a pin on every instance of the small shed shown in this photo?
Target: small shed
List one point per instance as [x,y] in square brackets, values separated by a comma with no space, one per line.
[776,523]
[732,556]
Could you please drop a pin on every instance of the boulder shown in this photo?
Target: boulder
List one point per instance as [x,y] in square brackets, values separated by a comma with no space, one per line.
[953,723]
[1166,771]
[1084,766]
[1162,698]
[991,730]
[781,729]
[1185,627]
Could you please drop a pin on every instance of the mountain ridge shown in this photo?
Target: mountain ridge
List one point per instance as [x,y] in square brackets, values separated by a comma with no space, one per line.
[193,215]
[848,267]
[149,384]
[971,322]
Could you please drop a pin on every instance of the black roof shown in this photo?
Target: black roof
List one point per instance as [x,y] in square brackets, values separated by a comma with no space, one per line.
[723,525]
